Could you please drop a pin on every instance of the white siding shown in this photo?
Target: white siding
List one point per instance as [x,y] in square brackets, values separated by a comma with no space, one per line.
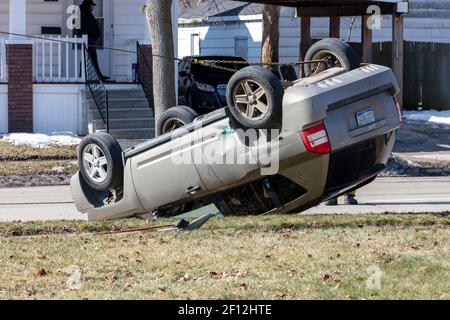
[429,20]
[219,39]
[129,27]
[4,17]
[3,108]
[57,108]
[40,13]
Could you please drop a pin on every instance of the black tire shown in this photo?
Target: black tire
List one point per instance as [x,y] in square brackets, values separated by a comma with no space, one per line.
[248,114]
[175,118]
[342,55]
[112,154]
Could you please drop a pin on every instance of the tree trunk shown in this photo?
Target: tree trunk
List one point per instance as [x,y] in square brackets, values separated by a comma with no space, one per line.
[271,34]
[159,18]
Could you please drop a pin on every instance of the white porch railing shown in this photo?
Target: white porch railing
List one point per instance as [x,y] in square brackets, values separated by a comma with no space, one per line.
[3,76]
[59,59]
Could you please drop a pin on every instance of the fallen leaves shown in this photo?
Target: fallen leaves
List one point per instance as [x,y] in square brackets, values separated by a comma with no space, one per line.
[41,273]
[292,273]
[29,292]
[184,278]
[328,278]
[243,287]
[228,275]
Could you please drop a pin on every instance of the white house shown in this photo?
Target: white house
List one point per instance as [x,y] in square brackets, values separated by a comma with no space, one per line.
[211,30]
[42,81]
[235,28]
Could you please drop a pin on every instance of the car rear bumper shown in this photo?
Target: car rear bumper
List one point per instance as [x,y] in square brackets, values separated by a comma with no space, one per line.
[357,164]
[348,169]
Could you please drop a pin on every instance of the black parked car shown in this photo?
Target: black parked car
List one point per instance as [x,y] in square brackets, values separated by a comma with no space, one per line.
[203,86]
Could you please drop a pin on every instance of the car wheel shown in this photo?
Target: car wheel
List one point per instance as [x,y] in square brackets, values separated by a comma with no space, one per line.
[255,98]
[335,53]
[100,161]
[175,118]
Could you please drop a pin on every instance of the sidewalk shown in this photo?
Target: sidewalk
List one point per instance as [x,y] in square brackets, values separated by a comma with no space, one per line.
[385,195]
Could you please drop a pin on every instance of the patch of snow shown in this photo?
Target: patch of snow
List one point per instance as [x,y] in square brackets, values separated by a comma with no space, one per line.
[41,141]
[431,117]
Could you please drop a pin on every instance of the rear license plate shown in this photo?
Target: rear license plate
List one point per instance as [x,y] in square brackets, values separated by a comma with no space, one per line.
[365,117]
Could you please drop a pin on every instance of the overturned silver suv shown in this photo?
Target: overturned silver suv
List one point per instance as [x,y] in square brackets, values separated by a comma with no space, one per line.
[279,147]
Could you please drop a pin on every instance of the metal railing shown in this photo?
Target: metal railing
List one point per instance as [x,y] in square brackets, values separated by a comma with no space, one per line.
[145,72]
[97,88]
[59,59]
[3,74]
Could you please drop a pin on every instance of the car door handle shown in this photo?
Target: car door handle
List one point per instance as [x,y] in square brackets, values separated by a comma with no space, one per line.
[193,190]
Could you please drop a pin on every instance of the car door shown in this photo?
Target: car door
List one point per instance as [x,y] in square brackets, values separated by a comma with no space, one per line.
[225,160]
[166,174]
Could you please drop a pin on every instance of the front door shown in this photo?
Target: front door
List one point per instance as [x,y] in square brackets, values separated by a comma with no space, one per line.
[104,13]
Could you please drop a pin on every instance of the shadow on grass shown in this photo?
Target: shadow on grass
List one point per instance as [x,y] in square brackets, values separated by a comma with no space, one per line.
[253,224]
[280,223]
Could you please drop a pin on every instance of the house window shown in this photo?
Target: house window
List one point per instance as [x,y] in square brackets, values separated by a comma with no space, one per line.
[241,47]
[195,44]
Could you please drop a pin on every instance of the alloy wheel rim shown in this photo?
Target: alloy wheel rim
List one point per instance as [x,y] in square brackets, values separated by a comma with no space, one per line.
[251,100]
[95,163]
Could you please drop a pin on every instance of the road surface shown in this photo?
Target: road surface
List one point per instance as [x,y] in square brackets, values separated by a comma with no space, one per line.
[392,195]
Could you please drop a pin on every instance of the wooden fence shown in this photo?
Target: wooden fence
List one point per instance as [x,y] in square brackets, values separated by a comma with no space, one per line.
[426,73]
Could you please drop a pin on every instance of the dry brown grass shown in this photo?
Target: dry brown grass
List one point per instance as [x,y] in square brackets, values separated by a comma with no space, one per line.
[21,160]
[10,152]
[8,168]
[278,257]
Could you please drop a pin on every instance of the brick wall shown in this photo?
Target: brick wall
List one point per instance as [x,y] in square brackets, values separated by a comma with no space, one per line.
[20,87]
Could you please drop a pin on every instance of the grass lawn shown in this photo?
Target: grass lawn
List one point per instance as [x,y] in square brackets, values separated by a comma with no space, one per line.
[21,160]
[276,257]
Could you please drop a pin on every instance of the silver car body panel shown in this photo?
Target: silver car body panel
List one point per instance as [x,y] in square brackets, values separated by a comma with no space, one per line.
[155,178]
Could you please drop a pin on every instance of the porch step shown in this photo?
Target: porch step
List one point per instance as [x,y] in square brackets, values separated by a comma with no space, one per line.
[141,133]
[130,115]
[121,103]
[126,113]
[147,123]
[122,93]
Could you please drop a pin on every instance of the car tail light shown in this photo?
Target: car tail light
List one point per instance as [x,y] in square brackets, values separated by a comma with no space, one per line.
[316,139]
[399,109]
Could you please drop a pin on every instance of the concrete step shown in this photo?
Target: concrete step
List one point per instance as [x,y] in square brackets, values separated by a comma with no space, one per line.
[142,133]
[126,113]
[121,103]
[144,123]
[130,115]
[120,94]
